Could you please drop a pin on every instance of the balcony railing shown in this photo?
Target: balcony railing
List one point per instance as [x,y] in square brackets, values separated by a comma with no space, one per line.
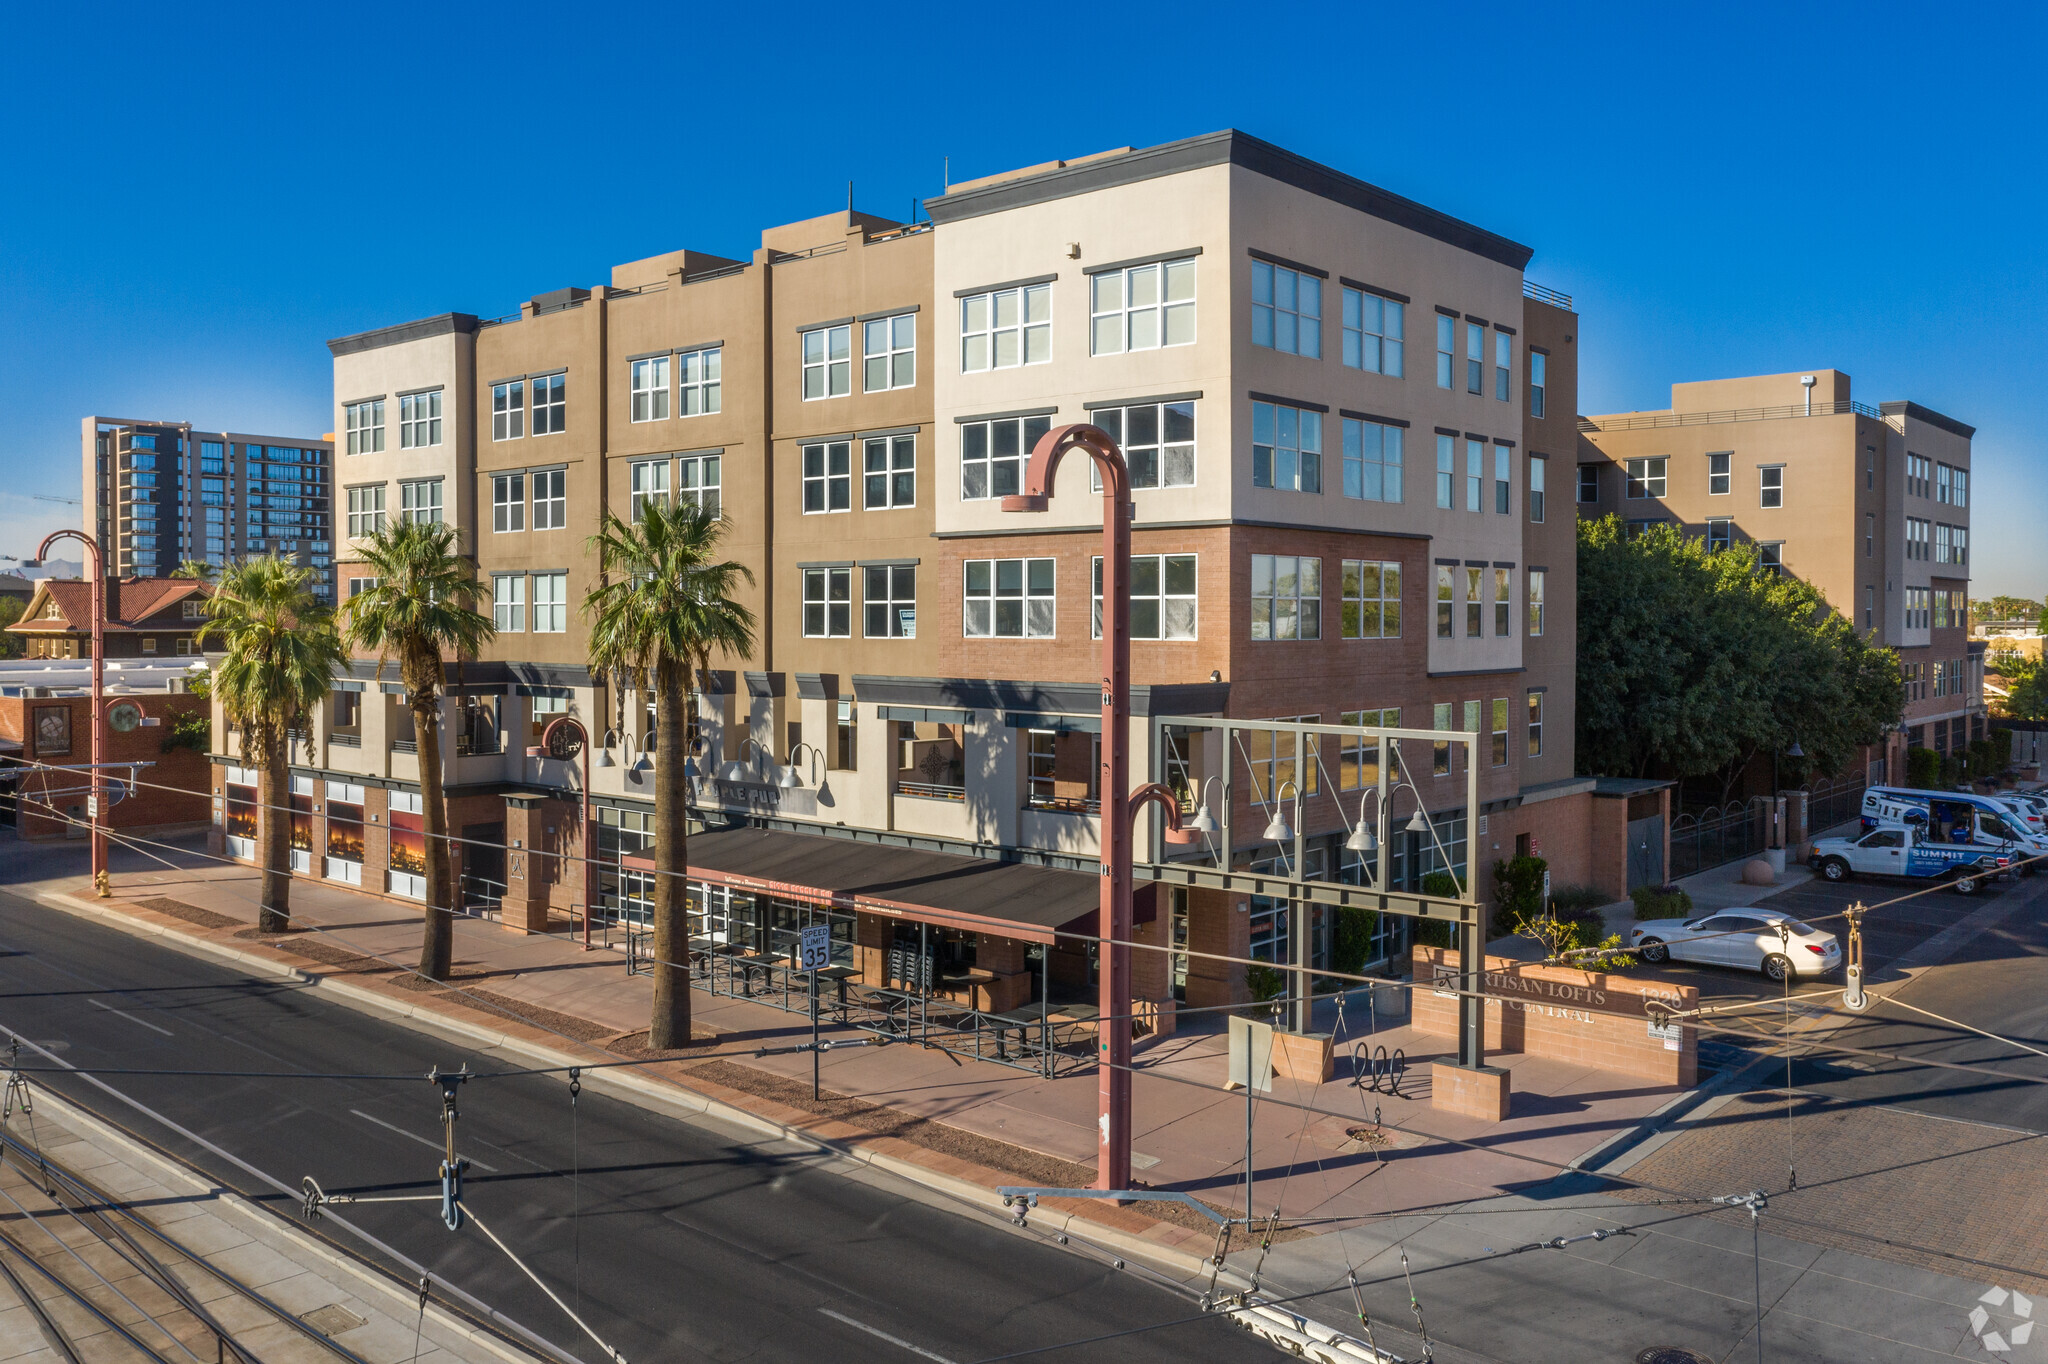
[1531,289]
[931,790]
[340,740]
[476,745]
[1065,805]
[405,745]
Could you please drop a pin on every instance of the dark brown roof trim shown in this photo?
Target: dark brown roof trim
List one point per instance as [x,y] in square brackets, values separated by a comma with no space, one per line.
[1350,283]
[447,324]
[1185,253]
[1285,263]
[1370,417]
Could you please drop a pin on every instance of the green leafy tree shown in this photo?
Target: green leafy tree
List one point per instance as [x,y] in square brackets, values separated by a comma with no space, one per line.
[420,613]
[279,653]
[2026,683]
[662,607]
[2003,607]
[11,646]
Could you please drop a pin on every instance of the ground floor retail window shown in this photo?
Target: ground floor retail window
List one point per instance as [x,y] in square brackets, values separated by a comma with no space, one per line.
[302,824]
[408,846]
[241,811]
[345,832]
[1272,932]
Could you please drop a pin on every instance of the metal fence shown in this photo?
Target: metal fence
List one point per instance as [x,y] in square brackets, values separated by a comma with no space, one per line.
[1829,803]
[1717,835]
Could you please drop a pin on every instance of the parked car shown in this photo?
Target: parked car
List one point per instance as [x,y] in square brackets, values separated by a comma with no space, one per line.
[1746,938]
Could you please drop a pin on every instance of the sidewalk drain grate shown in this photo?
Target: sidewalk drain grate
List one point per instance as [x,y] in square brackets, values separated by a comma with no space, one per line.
[332,1320]
[1671,1354]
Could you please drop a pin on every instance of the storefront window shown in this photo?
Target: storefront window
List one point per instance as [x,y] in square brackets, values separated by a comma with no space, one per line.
[345,832]
[241,811]
[302,822]
[408,845]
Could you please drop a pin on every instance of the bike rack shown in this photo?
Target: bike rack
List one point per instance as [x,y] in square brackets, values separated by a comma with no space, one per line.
[1370,1065]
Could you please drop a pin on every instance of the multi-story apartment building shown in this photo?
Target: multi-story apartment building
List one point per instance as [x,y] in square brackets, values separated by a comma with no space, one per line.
[1341,411]
[161,493]
[1869,504]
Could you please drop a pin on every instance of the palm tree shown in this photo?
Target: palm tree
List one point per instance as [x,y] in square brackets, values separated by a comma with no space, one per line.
[198,569]
[419,612]
[281,654]
[662,607]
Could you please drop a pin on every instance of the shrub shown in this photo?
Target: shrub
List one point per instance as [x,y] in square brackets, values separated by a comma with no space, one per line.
[1518,893]
[1923,769]
[1265,983]
[1661,902]
[1568,902]
[1435,933]
[1352,941]
[1442,885]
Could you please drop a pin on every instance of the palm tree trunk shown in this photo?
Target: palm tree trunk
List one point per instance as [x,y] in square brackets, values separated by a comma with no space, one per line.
[669,1025]
[437,946]
[273,834]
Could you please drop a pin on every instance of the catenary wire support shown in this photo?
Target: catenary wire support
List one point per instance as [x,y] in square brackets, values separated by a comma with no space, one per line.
[1415,1306]
[452,1165]
[18,1091]
[1756,1202]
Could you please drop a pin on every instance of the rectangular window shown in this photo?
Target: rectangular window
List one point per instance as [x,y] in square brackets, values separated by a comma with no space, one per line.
[550,603]
[650,484]
[1358,766]
[1919,472]
[1371,591]
[1940,543]
[889,600]
[1499,732]
[1535,724]
[1006,328]
[1770,557]
[650,389]
[1503,364]
[828,477]
[1503,603]
[1287,448]
[1475,607]
[889,353]
[697,381]
[1442,718]
[1961,488]
[1158,442]
[1959,537]
[1475,475]
[1646,477]
[1446,350]
[1536,596]
[1503,464]
[992,455]
[1869,534]
[1720,534]
[1539,467]
[1287,310]
[550,405]
[1446,471]
[508,502]
[1142,307]
[1475,358]
[1771,485]
[1720,479]
[550,499]
[1942,485]
[1287,597]
[1162,595]
[419,502]
[365,511]
[1446,601]
[1589,483]
[697,482]
[890,473]
[1372,333]
[1007,599]
[1539,365]
[845,735]
[365,422]
[508,602]
[827,362]
[828,603]
[419,420]
[1372,460]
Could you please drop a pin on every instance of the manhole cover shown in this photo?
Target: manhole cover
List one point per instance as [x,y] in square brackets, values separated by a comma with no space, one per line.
[332,1320]
[1671,1354]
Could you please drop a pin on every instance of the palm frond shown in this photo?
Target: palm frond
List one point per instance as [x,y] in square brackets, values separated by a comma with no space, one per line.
[663,595]
[422,606]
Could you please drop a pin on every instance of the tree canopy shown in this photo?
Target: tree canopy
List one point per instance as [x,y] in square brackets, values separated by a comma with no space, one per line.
[2003,607]
[2026,682]
[1693,662]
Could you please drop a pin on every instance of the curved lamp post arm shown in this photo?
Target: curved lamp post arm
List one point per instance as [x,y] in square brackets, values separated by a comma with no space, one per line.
[1157,794]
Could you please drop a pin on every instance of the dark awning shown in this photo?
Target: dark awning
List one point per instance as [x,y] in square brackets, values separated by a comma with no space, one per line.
[1007,898]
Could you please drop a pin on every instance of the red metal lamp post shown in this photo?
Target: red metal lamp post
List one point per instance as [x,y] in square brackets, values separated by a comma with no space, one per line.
[556,742]
[99,678]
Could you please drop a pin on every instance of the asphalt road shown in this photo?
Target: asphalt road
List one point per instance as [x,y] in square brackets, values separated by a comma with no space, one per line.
[676,1241]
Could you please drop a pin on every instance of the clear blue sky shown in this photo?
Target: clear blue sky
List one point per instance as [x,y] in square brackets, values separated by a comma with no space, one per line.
[199,197]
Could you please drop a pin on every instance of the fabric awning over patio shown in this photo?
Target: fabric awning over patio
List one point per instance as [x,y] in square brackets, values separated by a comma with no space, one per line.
[1006,898]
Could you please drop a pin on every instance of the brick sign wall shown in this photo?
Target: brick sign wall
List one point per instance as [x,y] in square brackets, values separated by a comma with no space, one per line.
[1591,1018]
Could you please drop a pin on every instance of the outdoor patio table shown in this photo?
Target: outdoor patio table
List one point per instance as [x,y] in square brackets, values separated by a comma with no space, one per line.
[1022,1021]
[839,975]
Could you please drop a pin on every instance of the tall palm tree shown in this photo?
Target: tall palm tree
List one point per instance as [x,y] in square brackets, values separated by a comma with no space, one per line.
[663,605]
[281,655]
[419,612]
[197,569]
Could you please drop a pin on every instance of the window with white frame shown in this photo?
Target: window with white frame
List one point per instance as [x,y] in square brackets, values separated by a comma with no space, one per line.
[1646,477]
[1372,460]
[1475,607]
[365,425]
[1475,357]
[1770,480]
[419,420]
[650,484]
[1005,328]
[889,472]
[1162,596]
[1720,476]
[1503,469]
[1446,600]
[1358,765]
[1142,307]
[419,502]
[650,389]
[697,482]
[1158,441]
[827,354]
[1959,543]
[1503,364]
[508,602]
[698,381]
[1372,332]
[1535,724]
[1371,593]
[1919,475]
[1770,557]
[550,499]
[1960,488]
[828,477]
[1539,369]
[1941,542]
[1539,469]
[550,404]
[828,603]
[1503,601]
[365,511]
[1537,587]
[889,601]
[1943,484]
[1446,471]
[1008,599]
[550,603]
[1287,448]
[1287,597]
[1499,732]
[508,410]
[1720,534]
[889,352]
[992,455]
[1917,610]
[1287,310]
[508,502]
[1475,475]
[1446,349]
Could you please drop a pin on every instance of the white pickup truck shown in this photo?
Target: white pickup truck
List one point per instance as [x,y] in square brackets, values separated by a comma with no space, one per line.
[1905,850]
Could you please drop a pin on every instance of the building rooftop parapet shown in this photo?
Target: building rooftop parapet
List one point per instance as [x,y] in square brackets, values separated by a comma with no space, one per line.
[1644,421]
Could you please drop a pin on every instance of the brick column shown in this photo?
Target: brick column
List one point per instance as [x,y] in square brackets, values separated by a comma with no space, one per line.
[526,889]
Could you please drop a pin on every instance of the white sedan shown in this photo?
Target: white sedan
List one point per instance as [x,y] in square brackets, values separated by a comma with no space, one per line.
[1754,939]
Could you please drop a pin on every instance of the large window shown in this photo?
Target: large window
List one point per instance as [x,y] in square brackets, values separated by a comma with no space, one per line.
[828,603]
[1539,469]
[890,473]
[650,389]
[365,422]
[1162,596]
[1919,475]
[698,381]
[1770,480]
[1446,600]
[1287,597]
[697,482]
[1475,608]
[1158,441]
[550,404]
[1959,491]
[1503,466]
[889,601]
[1446,471]
[1943,484]
[508,602]
[1372,332]
[1539,367]
[419,420]
[1142,307]
[408,845]
[889,353]
[1941,543]
[1646,477]
[419,502]
[365,511]
[344,832]
[1371,591]
[550,603]
[1372,460]
[992,455]
[828,477]
[508,410]
[827,362]
[550,499]
[1287,310]
[1287,448]
[508,502]
[1006,328]
[1446,350]
[1770,557]
[1535,724]
[1359,763]
[1008,599]
[1720,479]
[650,484]
[1499,732]
[1503,363]
[1475,475]
[1503,602]
[1475,357]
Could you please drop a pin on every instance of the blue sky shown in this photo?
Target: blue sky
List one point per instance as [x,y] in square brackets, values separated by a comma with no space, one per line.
[200,196]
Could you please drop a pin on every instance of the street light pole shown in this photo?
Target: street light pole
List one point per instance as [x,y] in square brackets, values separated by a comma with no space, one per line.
[97,801]
[1113,1025]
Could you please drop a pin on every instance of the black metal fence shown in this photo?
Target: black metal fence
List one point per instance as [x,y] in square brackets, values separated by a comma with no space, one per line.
[1829,803]
[1717,835]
